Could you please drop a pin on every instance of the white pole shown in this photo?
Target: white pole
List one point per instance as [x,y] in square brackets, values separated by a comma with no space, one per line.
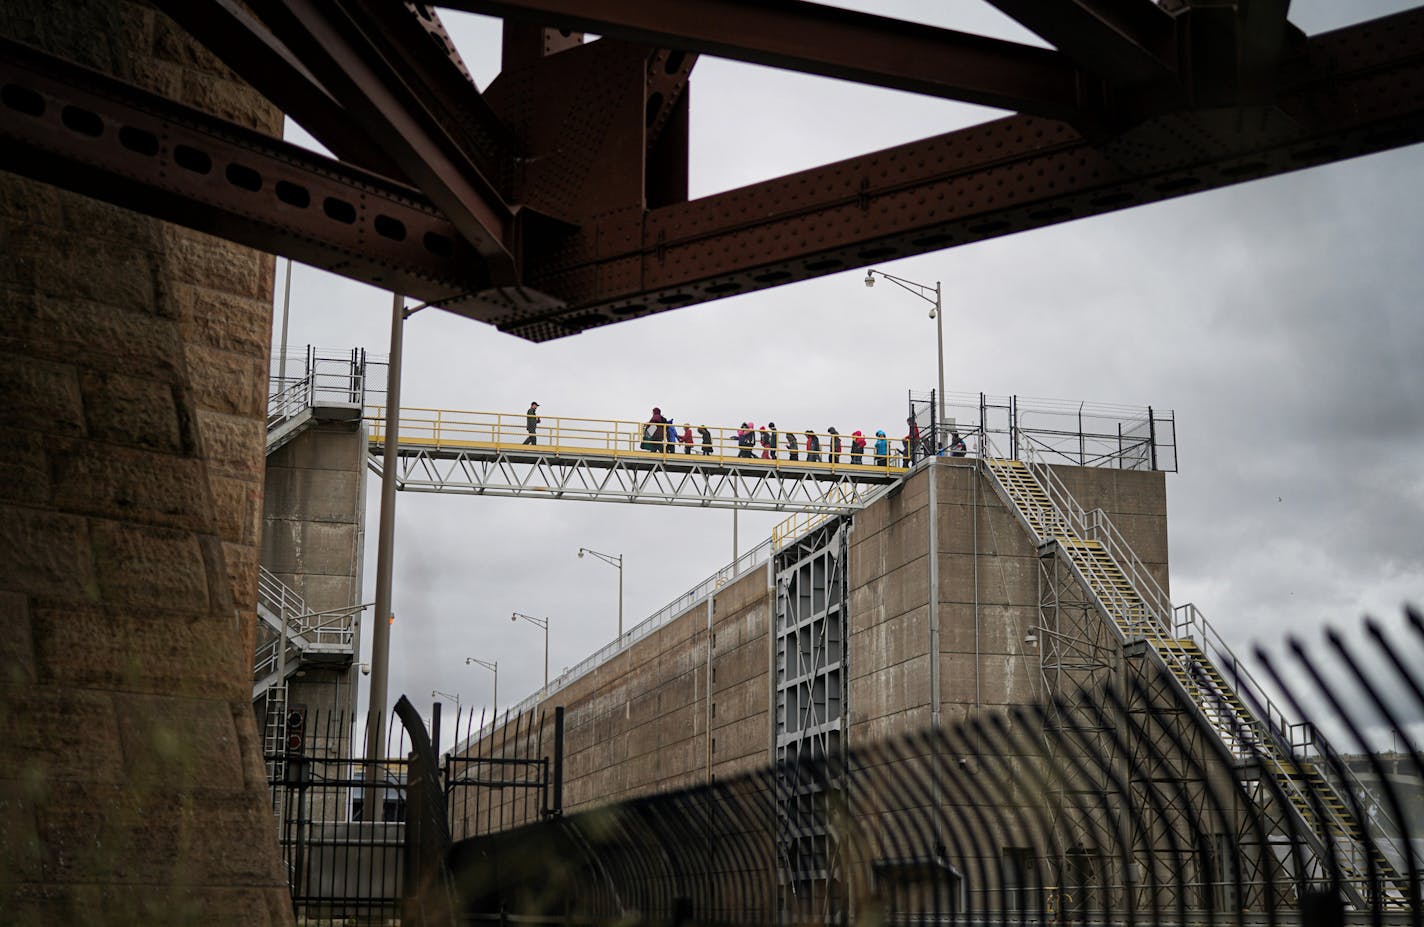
[939,325]
[286,305]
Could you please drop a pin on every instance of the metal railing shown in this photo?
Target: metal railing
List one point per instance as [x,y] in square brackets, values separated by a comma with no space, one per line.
[464,429]
[1250,725]
[1062,431]
[326,379]
[330,630]
[1095,525]
[756,557]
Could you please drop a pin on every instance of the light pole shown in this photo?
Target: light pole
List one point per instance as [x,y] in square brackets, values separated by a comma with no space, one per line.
[436,693]
[493,667]
[538,623]
[923,291]
[616,561]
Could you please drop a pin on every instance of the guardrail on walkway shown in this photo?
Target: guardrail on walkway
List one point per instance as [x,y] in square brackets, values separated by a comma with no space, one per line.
[460,430]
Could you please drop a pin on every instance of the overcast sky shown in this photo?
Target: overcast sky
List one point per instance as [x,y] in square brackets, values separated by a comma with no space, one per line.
[1279,320]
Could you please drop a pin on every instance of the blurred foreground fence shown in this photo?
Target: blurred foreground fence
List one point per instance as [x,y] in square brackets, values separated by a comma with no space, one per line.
[1014,818]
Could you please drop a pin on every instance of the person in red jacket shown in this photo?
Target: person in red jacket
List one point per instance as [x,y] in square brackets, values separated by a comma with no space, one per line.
[857,447]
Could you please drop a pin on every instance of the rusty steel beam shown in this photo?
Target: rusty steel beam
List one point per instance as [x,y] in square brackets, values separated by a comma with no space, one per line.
[831,42]
[94,135]
[1357,91]
[247,46]
[413,41]
[352,59]
[1128,43]
[1342,94]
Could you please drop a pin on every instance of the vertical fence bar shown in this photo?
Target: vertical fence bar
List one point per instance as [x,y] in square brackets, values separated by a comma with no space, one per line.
[558,808]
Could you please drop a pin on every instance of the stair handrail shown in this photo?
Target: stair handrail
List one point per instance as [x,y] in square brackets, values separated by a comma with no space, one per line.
[1188,622]
[330,626]
[1064,509]
[1382,821]
[288,401]
[1095,525]
[279,598]
[1054,513]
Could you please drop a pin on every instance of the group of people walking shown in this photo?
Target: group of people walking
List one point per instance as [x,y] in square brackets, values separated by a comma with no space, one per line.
[661,434]
[770,440]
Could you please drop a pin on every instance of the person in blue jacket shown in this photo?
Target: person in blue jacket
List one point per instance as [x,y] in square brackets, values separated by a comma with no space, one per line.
[882,449]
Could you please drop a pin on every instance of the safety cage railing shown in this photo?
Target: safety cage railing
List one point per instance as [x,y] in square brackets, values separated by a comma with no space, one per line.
[1085,434]
[320,378]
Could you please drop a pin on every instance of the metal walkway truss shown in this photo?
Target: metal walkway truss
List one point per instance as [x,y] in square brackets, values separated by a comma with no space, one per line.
[653,479]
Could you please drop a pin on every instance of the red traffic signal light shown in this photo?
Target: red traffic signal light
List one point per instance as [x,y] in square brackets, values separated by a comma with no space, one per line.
[296,728]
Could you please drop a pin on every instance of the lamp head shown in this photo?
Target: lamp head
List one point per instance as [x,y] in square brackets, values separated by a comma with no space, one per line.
[870,278]
[933,312]
[580,553]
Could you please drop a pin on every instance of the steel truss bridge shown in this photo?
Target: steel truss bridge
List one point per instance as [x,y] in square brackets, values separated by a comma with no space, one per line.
[485,454]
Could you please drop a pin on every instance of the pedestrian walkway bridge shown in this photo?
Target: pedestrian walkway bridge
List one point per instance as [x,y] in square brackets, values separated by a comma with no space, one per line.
[611,460]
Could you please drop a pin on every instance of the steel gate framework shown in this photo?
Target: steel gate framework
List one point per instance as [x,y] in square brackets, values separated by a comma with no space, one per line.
[492,204]
[812,636]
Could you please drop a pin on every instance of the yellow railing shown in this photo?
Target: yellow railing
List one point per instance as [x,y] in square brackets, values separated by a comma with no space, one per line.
[799,524]
[456,430]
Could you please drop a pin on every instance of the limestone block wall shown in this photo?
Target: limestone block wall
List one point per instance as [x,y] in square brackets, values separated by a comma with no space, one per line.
[133,360]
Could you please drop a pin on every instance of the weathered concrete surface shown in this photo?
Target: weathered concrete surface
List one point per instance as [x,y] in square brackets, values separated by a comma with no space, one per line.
[133,358]
[314,510]
[644,721]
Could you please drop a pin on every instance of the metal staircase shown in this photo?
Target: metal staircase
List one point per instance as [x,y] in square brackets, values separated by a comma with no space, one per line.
[1268,750]
[310,637]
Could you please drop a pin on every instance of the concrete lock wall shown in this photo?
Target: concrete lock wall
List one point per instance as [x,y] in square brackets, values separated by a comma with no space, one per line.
[314,510]
[134,373]
[666,713]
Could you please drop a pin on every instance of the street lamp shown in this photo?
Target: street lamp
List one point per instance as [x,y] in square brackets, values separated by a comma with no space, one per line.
[616,561]
[493,667]
[456,696]
[924,291]
[538,623]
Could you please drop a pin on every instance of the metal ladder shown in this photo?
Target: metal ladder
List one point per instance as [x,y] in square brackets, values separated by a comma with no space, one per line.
[1135,605]
[274,729]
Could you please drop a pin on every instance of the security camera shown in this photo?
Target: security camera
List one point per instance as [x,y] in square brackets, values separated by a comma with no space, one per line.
[365,669]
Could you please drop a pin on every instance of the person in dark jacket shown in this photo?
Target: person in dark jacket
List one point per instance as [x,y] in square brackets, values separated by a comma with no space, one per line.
[768,441]
[956,445]
[857,447]
[792,445]
[653,433]
[531,422]
[813,447]
[746,440]
[835,454]
[706,440]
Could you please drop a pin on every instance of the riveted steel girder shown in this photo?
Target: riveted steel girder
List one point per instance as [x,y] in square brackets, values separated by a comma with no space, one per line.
[1351,92]
[828,41]
[602,232]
